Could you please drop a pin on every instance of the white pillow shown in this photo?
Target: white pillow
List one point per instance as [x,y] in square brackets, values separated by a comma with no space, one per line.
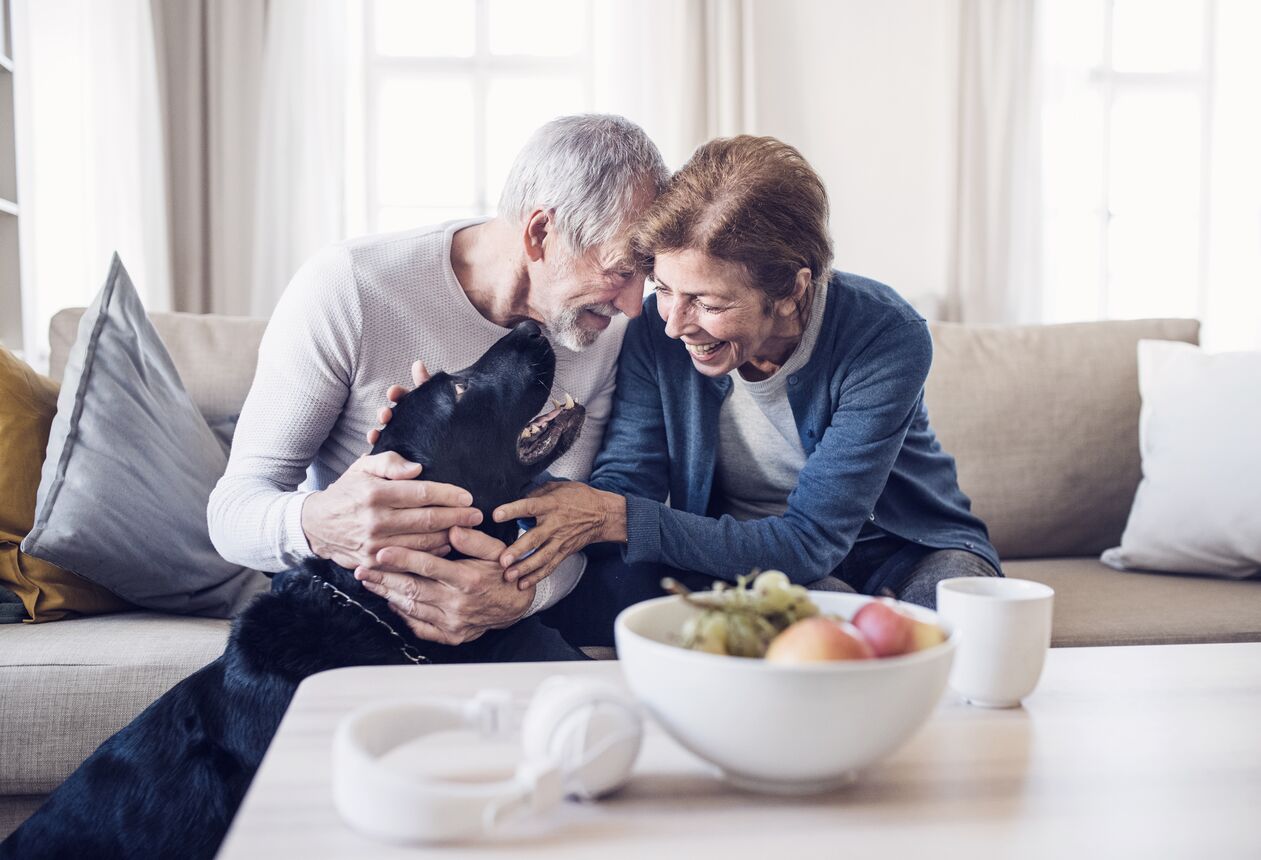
[1198,507]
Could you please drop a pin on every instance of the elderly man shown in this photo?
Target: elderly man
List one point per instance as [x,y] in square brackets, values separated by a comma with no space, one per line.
[352,321]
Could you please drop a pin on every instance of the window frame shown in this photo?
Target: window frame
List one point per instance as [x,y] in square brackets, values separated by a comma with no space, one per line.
[480,68]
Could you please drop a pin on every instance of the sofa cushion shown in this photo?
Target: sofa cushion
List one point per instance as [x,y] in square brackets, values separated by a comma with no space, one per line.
[70,685]
[215,355]
[1043,424]
[46,592]
[1096,605]
[1198,507]
[131,463]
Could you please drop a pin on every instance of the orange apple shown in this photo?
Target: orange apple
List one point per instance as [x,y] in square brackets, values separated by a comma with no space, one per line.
[926,635]
[889,630]
[817,639]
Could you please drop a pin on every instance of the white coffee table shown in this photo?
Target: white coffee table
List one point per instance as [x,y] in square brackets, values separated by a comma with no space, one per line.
[1121,752]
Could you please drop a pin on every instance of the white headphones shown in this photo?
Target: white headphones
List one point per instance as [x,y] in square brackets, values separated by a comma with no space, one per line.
[580,738]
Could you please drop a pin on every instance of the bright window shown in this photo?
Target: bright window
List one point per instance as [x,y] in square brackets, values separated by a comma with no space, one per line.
[1152,195]
[453,89]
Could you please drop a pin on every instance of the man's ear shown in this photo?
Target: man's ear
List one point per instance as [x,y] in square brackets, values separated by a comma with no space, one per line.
[537,228]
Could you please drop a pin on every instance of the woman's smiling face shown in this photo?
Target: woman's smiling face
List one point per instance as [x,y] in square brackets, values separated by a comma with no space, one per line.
[707,304]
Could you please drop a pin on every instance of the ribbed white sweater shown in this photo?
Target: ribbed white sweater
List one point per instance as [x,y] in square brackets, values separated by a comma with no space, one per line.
[350,324]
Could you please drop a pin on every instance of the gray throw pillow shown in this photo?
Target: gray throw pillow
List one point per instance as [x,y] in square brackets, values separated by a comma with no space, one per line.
[129,469]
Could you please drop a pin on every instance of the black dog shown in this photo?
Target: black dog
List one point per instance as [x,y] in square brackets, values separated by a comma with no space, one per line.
[168,784]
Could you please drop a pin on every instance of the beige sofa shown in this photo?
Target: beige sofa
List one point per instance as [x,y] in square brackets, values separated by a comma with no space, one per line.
[1042,421]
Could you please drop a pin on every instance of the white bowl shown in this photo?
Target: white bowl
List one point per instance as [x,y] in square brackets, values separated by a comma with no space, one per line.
[785,729]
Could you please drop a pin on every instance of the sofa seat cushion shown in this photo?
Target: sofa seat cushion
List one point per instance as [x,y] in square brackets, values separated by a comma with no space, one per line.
[65,687]
[1096,605]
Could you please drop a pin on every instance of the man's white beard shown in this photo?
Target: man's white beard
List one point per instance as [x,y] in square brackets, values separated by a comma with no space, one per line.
[567,331]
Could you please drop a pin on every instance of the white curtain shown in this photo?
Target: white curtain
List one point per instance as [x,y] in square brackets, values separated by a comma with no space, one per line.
[300,200]
[88,107]
[210,55]
[682,69]
[995,277]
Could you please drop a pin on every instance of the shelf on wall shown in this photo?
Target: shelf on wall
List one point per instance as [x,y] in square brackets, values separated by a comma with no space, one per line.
[8,206]
[6,63]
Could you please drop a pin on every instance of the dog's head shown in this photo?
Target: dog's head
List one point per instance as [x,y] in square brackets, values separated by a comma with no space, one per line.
[490,427]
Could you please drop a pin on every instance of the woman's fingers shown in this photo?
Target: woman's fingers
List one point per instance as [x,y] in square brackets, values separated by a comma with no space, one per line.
[420,374]
[528,542]
[519,509]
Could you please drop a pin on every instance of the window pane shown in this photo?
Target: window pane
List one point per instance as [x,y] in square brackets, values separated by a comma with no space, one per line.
[1154,265]
[1155,159]
[424,28]
[1071,266]
[424,145]
[1157,35]
[547,28]
[392,218]
[516,106]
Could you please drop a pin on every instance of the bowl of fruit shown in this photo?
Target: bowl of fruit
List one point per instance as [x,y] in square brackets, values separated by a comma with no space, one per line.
[785,690]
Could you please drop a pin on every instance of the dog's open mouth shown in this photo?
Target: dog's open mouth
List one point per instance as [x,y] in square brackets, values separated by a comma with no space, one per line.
[556,428]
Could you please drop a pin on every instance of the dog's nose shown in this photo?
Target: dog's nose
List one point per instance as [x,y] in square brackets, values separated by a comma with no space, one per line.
[530,328]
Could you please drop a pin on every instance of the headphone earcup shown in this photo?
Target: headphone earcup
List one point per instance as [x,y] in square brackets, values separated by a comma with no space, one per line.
[590,729]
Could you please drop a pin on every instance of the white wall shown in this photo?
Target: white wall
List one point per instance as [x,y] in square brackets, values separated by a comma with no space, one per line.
[866,89]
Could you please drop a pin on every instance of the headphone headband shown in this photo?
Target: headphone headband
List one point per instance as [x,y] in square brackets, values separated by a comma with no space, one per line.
[389,804]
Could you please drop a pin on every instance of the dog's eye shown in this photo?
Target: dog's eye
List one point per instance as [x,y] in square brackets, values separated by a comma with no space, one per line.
[460,388]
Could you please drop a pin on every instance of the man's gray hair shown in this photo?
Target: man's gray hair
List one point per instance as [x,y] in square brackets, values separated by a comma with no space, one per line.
[591,169]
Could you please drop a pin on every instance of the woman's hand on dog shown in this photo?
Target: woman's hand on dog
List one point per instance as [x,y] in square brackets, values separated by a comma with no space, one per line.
[420,375]
[448,601]
[376,504]
[568,516]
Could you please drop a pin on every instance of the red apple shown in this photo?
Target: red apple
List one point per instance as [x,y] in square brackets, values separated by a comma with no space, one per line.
[816,639]
[890,631]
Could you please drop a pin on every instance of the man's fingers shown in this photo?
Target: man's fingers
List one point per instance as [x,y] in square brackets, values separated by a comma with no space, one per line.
[393,394]
[420,374]
[390,465]
[523,569]
[428,520]
[476,544]
[419,494]
[373,435]
[399,583]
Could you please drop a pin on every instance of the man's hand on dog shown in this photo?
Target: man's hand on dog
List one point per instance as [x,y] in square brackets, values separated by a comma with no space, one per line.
[378,504]
[449,601]
[567,517]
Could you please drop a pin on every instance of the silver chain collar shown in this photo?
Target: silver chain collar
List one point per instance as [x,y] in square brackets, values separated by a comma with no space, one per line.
[339,596]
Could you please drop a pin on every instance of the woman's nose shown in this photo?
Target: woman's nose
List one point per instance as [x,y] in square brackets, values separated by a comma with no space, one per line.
[676,318]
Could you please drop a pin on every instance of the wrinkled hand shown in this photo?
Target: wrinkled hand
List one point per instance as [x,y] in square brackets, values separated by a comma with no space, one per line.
[568,516]
[377,503]
[444,601]
[420,375]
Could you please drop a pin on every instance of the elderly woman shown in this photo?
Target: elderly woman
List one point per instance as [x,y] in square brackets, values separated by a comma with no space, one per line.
[769,411]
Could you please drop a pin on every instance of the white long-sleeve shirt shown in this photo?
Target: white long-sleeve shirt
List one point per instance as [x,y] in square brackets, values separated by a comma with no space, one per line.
[349,325]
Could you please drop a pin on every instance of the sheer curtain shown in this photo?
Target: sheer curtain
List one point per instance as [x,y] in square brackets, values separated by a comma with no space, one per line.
[682,69]
[996,273]
[300,200]
[88,106]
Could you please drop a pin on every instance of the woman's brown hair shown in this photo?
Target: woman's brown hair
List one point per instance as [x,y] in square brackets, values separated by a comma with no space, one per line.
[749,200]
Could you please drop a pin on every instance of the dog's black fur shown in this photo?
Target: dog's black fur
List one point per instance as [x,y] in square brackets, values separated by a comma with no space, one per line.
[169,783]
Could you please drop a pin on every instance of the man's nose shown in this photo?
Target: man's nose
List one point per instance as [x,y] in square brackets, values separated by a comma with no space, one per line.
[630,298]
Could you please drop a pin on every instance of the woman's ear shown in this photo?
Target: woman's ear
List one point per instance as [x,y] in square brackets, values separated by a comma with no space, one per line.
[791,304]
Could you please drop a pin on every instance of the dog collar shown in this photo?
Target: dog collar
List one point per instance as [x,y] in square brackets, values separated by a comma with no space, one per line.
[338,596]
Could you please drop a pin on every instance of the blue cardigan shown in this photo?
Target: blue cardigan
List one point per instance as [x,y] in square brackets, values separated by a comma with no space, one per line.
[871,456]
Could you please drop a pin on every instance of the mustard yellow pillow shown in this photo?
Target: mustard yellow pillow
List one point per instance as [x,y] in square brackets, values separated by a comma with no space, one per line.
[27,404]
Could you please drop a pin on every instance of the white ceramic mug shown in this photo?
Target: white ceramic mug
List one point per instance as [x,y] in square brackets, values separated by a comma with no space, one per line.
[1006,631]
